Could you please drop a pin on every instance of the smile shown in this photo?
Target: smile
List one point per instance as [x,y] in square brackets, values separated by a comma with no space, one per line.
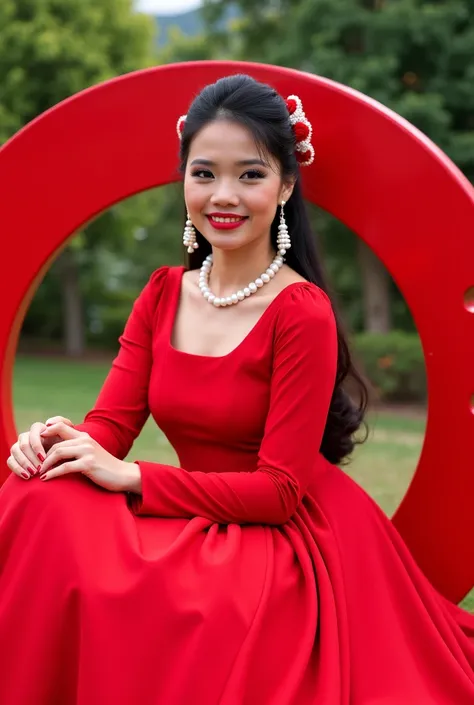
[226,223]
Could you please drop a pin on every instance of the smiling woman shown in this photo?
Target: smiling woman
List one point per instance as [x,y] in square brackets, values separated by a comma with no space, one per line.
[256,571]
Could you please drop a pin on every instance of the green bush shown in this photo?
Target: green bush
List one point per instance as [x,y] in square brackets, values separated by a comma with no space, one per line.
[394,365]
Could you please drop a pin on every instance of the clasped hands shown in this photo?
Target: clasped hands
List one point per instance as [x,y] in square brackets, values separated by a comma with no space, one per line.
[55,448]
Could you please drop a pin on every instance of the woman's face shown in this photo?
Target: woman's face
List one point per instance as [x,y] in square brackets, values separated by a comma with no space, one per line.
[226,178]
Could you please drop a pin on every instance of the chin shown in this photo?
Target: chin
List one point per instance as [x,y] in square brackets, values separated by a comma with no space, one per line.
[225,241]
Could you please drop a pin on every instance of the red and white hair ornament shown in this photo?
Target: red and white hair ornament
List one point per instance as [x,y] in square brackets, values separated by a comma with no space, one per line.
[302,129]
[180,125]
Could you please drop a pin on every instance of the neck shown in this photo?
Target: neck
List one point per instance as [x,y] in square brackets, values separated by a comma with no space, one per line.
[234,269]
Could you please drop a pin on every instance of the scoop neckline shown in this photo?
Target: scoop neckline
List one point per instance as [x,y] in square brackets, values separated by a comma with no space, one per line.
[264,315]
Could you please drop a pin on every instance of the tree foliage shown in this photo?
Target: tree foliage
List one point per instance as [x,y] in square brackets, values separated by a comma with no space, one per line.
[50,50]
[415,56]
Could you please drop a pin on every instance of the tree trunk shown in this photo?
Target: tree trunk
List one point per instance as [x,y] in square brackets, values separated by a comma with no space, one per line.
[73,321]
[375,291]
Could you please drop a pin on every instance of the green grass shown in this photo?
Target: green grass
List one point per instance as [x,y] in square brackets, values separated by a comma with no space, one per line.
[383,466]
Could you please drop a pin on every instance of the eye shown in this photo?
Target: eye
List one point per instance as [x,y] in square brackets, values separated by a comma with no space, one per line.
[253,174]
[202,173]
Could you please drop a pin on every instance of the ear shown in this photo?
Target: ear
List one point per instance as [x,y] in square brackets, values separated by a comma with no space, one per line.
[286,191]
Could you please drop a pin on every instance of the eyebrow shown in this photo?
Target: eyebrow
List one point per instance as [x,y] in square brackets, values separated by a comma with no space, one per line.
[243,162]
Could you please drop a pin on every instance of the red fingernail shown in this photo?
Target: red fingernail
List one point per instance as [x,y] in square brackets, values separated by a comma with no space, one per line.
[38,468]
[31,471]
[40,458]
[25,475]
[49,424]
[44,477]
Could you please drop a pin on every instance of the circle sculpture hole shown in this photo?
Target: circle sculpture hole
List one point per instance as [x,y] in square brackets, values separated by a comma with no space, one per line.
[469,299]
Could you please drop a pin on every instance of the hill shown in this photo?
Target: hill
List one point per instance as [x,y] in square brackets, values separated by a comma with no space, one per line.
[190,23]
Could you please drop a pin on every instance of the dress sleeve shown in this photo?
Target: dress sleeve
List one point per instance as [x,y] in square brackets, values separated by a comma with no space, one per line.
[302,384]
[121,408]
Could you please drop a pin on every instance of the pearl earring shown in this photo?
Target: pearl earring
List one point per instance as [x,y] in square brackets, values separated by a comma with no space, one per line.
[189,236]
[283,239]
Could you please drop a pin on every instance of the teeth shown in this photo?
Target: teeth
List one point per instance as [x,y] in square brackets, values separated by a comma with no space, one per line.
[225,220]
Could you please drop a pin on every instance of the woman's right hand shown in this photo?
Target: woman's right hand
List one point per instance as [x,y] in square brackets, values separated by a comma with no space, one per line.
[30,449]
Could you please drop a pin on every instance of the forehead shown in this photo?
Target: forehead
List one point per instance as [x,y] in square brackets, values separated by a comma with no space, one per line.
[224,138]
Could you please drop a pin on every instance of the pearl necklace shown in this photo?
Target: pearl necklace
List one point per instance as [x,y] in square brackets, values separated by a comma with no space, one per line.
[241,294]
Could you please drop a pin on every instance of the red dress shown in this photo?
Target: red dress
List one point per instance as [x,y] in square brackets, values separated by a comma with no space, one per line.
[257,573]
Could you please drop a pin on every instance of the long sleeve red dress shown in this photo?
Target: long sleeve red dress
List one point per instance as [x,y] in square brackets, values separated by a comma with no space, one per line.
[256,573]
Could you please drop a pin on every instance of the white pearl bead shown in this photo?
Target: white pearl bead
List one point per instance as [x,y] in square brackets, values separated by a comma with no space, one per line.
[252,287]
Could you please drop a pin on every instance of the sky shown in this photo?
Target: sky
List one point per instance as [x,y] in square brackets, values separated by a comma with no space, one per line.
[166,7]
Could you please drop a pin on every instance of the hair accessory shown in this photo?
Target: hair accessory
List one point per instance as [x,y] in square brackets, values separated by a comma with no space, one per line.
[302,130]
[180,125]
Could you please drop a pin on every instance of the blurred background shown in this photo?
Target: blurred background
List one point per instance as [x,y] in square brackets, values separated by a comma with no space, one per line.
[414,56]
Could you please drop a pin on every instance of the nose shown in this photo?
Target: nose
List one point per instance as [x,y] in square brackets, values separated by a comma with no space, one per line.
[224,193]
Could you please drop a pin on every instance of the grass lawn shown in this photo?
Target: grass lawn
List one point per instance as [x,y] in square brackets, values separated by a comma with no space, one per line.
[383,466]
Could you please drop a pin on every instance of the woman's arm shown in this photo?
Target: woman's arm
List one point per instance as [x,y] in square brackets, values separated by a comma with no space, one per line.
[121,409]
[304,370]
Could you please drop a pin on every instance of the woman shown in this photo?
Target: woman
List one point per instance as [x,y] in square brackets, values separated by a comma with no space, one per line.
[256,573]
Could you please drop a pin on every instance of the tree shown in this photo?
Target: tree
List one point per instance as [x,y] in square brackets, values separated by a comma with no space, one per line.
[49,50]
[415,56]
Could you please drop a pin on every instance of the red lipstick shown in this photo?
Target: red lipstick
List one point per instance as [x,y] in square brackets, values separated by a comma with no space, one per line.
[222,224]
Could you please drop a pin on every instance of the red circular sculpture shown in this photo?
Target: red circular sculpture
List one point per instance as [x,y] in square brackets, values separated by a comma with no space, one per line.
[373,171]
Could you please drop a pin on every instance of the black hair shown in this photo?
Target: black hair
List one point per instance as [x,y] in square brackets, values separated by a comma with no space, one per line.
[259,108]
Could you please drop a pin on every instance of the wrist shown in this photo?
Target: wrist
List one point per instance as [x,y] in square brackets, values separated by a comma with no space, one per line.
[132,478]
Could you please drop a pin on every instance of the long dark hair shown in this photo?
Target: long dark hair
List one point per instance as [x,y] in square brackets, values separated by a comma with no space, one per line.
[260,109]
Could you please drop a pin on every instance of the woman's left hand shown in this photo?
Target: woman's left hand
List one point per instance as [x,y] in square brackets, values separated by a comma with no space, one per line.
[78,452]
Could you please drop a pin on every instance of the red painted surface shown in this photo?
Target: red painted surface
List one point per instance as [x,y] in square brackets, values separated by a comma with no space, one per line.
[373,171]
